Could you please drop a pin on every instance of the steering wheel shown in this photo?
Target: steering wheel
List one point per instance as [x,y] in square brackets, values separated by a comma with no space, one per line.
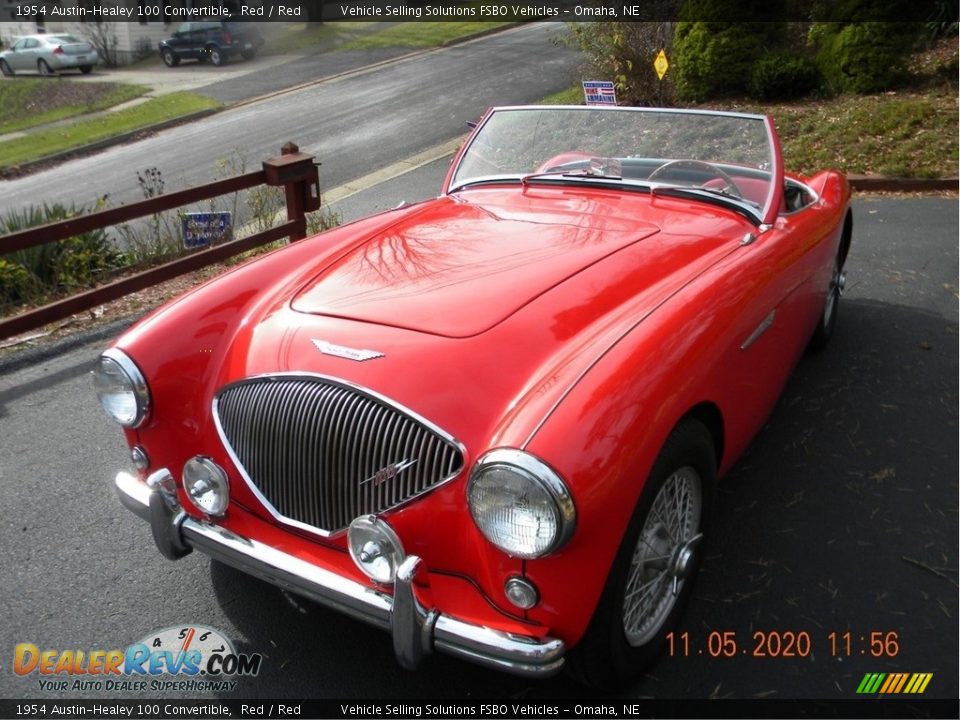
[729,187]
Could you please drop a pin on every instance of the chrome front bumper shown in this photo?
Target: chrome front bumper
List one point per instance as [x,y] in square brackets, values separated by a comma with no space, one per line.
[416,630]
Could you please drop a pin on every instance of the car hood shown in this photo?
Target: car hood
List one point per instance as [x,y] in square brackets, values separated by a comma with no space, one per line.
[459,267]
[475,312]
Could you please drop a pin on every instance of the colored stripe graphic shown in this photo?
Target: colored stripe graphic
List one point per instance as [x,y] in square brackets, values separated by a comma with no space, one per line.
[870,682]
[899,685]
[894,683]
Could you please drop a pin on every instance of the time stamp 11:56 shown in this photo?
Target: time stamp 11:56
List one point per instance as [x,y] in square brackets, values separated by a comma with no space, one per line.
[784,644]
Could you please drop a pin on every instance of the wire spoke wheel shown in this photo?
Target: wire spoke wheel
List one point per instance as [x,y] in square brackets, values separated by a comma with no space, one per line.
[663,557]
[837,282]
[655,568]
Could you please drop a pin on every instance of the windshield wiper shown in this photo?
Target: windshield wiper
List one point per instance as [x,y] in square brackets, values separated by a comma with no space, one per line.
[600,168]
[585,173]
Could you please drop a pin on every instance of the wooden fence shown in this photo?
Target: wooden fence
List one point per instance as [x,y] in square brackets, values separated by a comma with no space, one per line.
[293,170]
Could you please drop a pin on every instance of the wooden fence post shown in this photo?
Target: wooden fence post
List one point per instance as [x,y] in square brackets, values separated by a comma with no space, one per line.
[298,174]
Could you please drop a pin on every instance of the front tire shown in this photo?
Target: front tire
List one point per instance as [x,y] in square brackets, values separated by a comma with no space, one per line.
[654,570]
[6,69]
[831,306]
[170,58]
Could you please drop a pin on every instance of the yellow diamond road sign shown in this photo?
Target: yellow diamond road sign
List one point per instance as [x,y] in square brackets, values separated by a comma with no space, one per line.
[661,64]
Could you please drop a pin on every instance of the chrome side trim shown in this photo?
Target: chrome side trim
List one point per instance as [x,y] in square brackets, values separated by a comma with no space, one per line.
[760,330]
[415,629]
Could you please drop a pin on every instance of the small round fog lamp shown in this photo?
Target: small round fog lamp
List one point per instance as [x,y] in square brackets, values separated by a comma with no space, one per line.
[139,456]
[375,548]
[521,593]
[206,485]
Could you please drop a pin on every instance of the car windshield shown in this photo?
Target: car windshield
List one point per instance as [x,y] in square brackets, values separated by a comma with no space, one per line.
[726,158]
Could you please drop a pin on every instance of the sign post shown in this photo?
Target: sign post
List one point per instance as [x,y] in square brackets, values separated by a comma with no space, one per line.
[661,65]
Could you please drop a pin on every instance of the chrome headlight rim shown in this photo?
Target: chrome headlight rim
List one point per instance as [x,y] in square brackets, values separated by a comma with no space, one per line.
[138,386]
[534,469]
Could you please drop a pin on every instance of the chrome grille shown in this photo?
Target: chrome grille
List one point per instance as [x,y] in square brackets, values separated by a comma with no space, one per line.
[320,452]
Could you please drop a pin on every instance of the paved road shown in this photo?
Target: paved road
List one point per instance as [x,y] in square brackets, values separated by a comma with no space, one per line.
[833,521]
[353,125]
[241,80]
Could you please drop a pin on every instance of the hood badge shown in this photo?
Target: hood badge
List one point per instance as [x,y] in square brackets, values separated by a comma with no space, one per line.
[345,352]
[388,473]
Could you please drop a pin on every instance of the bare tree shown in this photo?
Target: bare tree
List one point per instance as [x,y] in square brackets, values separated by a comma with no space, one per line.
[103,36]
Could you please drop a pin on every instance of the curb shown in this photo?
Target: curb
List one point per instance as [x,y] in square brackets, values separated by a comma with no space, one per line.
[480,34]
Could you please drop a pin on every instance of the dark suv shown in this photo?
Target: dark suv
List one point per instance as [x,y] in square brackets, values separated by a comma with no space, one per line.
[213,40]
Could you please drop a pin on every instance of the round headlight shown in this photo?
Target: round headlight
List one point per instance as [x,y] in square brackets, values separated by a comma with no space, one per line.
[121,388]
[206,485]
[520,504]
[375,548]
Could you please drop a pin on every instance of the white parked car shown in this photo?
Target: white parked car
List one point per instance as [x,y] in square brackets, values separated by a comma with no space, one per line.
[48,54]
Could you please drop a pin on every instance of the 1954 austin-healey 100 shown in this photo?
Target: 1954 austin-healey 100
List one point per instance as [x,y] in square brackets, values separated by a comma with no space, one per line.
[492,422]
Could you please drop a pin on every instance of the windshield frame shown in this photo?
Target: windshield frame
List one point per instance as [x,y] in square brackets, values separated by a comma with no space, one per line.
[763,215]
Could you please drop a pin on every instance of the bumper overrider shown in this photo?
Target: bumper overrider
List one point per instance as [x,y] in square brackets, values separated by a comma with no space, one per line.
[416,630]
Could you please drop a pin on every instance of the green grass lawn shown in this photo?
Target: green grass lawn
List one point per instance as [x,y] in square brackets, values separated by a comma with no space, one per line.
[418,34]
[49,141]
[898,134]
[27,102]
[283,38]
[291,37]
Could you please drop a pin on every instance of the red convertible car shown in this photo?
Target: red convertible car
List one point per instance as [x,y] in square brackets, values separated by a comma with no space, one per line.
[492,423]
